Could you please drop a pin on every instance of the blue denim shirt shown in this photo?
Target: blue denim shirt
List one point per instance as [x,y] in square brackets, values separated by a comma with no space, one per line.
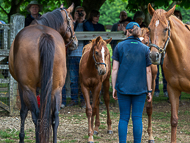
[78,51]
[133,58]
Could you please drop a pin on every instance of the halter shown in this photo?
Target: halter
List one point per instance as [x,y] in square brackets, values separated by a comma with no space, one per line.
[68,28]
[161,51]
[97,63]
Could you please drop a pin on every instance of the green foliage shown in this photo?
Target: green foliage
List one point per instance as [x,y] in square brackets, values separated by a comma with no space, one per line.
[110,11]
[185,14]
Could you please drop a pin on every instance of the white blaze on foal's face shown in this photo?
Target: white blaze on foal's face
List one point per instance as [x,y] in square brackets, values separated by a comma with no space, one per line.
[157,23]
[103,52]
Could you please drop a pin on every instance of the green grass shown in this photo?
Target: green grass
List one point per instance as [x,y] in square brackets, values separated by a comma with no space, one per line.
[10,134]
[161,115]
[68,141]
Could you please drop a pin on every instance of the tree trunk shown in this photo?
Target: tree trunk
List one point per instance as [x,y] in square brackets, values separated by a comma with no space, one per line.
[15,8]
[76,2]
[147,15]
[92,4]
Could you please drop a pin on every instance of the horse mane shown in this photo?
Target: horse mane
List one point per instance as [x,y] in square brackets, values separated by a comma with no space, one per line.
[144,31]
[52,19]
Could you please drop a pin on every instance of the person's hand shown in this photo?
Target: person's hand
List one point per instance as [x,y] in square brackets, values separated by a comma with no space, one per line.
[119,27]
[115,94]
[149,97]
[122,28]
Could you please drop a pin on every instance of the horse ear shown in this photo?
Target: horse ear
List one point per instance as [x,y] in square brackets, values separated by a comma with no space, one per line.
[61,5]
[71,8]
[98,39]
[108,40]
[150,9]
[170,12]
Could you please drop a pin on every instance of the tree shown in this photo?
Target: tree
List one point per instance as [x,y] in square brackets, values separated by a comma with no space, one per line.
[10,7]
[134,5]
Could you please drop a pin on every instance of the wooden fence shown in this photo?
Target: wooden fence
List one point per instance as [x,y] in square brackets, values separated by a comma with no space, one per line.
[8,86]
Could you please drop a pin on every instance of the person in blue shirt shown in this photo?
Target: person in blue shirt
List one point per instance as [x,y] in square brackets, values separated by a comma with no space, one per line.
[73,63]
[131,81]
[92,23]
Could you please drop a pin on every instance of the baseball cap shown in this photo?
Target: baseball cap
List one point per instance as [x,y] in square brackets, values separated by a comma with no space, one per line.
[131,24]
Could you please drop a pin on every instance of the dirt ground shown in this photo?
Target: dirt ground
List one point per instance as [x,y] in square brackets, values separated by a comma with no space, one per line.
[73,125]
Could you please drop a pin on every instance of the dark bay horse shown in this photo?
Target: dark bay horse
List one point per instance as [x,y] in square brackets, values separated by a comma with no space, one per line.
[95,70]
[171,36]
[37,58]
[145,40]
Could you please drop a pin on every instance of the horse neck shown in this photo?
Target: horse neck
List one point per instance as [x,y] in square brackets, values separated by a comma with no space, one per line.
[177,46]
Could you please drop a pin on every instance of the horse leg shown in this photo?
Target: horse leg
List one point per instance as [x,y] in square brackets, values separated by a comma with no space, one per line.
[31,101]
[174,100]
[149,105]
[97,121]
[23,114]
[95,107]
[107,102]
[86,95]
[55,114]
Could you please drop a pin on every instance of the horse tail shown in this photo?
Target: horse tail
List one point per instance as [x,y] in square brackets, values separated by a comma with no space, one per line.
[47,50]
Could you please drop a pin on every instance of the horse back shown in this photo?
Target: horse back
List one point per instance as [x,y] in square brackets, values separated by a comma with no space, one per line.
[25,55]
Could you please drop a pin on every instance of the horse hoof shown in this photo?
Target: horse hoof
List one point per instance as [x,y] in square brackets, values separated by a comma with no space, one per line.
[110,132]
[151,141]
[90,142]
[95,133]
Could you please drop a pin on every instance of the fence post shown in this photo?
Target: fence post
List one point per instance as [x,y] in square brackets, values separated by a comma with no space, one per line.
[17,22]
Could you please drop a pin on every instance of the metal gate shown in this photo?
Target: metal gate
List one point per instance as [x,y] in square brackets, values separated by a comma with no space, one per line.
[8,86]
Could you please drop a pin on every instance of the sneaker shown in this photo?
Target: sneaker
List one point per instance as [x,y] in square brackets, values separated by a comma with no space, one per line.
[156,94]
[62,106]
[72,103]
[166,94]
[83,104]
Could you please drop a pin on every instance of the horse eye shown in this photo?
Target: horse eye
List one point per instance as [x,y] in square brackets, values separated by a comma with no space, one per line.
[166,29]
[96,53]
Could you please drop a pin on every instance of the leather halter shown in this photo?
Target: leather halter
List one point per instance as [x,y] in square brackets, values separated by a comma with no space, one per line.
[68,27]
[161,50]
[97,63]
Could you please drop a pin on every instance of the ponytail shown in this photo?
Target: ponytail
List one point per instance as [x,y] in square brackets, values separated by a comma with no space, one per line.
[136,31]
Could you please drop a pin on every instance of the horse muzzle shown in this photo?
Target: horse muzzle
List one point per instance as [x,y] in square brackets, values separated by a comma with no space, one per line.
[73,45]
[155,57]
[101,69]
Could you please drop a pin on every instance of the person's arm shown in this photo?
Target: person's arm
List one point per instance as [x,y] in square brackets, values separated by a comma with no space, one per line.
[149,83]
[114,77]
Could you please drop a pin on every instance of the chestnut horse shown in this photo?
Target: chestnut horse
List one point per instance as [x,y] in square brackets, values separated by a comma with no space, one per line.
[95,70]
[169,34]
[37,58]
[145,40]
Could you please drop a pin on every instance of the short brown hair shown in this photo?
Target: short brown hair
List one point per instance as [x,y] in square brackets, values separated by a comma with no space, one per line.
[92,14]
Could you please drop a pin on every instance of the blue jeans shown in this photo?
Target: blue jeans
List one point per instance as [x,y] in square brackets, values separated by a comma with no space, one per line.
[74,77]
[125,103]
[157,80]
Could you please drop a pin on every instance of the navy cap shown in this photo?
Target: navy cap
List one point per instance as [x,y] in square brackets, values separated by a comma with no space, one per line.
[131,24]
